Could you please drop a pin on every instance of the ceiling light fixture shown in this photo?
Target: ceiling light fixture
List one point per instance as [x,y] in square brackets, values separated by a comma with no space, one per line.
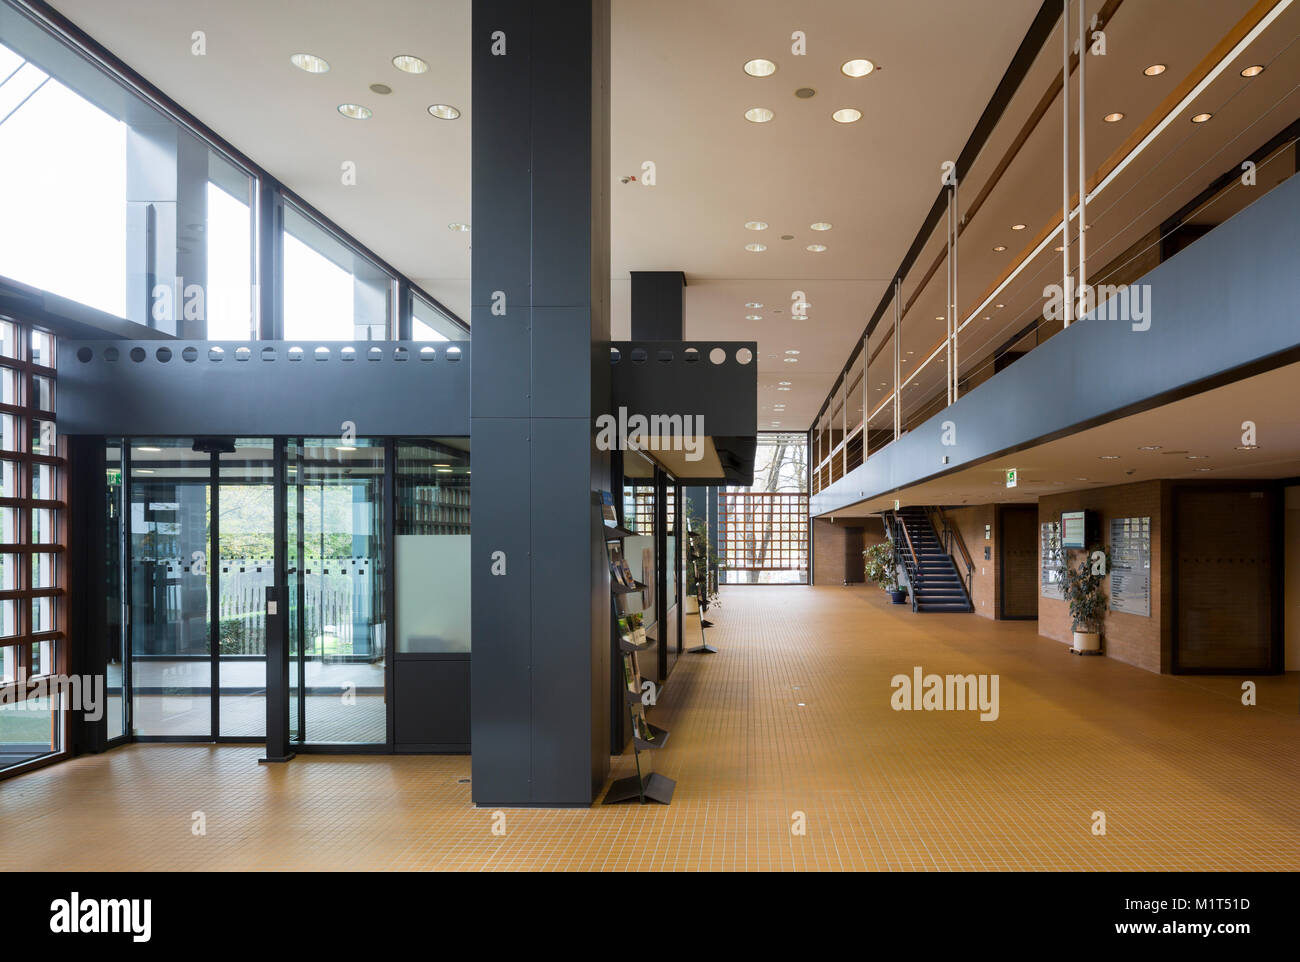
[790,360]
[792,352]
[784,383]
[1108,457]
[408,64]
[1155,70]
[758,115]
[759,67]
[857,68]
[444,111]
[999,248]
[754,304]
[355,111]
[150,450]
[815,248]
[1017,226]
[1240,447]
[1253,71]
[1198,457]
[1201,118]
[755,248]
[847,115]
[1149,447]
[753,317]
[755,225]
[1113,118]
[310,63]
[820,225]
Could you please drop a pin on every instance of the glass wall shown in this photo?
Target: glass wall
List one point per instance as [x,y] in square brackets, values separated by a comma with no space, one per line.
[163,224]
[430,324]
[431,550]
[763,529]
[331,292]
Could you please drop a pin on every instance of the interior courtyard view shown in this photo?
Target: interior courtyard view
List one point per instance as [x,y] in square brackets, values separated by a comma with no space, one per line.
[737,586]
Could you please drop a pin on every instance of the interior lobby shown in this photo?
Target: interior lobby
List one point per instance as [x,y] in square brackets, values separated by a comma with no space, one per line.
[480,435]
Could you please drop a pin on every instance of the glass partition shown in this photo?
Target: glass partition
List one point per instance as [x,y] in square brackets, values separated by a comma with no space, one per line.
[432,544]
[430,324]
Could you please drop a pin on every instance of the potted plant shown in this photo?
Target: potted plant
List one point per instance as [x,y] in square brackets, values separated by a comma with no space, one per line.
[880,570]
[1082,588]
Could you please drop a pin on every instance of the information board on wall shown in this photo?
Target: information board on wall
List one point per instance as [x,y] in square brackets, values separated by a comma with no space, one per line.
[1049,560]
[1130,565]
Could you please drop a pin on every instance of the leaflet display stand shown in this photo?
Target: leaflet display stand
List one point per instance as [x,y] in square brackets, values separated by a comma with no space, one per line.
[698,560]
[643,786]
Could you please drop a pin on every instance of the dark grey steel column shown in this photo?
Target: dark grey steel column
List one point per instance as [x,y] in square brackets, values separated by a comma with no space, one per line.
[658,305]
[539,669]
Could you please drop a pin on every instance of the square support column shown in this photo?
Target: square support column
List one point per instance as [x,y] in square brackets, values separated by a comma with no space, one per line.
[540,666]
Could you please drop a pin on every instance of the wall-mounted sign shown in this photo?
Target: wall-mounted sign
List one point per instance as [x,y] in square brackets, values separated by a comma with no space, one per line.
[896,504]
[988,532]
[1130,565]
[1011,477]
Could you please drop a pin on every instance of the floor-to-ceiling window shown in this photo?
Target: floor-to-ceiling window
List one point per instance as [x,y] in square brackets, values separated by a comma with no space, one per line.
[31,548]
[763,528]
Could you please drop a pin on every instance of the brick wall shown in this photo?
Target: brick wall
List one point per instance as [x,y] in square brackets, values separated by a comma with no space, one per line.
[837,549]
[1139,641]
[970,522]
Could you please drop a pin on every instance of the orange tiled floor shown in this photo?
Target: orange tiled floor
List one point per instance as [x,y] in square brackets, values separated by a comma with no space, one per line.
[1187,776]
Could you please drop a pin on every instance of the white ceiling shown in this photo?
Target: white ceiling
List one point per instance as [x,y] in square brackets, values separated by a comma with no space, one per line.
[678,98]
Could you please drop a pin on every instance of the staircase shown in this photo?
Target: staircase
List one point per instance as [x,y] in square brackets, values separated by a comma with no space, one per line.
[936,585]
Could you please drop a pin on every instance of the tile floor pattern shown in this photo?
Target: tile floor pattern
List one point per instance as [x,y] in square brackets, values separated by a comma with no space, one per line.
[1187,776]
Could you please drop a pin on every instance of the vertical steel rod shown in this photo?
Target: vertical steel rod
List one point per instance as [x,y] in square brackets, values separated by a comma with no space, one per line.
[1083,174]
[1067,297]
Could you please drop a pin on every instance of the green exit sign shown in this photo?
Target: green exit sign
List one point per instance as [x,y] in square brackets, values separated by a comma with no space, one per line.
[1011,477]
[114,477]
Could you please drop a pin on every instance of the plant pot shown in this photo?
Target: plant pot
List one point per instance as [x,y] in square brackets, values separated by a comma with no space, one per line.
[1087,641]
[898,597]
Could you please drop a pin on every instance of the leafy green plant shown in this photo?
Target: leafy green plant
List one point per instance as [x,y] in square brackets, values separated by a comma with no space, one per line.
[1081,585]
[879,567]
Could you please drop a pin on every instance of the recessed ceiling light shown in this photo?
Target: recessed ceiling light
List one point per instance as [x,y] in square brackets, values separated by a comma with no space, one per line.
[382,89]
[938,317]
[758,115]
[820,225]
[815,248]
[792,352]
[1253,71]
[458,227]
[783,389]
[444,111]
[999,248]
[1017,226]
[1149,447]
[1205,469]
[1197,457]
[753,304]
[911,352]
[355,111]
[310,63]
[755,225]
[790,360]
[1155,70]
[755,248]
[847,115]
[857,68]
[1240,447]
[784,383]
[1108,457]
[998,306]
[760,67]
[753,317]
[1201,118]
[1058,249]
[409,64]
[1081,479]
[1113,118]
